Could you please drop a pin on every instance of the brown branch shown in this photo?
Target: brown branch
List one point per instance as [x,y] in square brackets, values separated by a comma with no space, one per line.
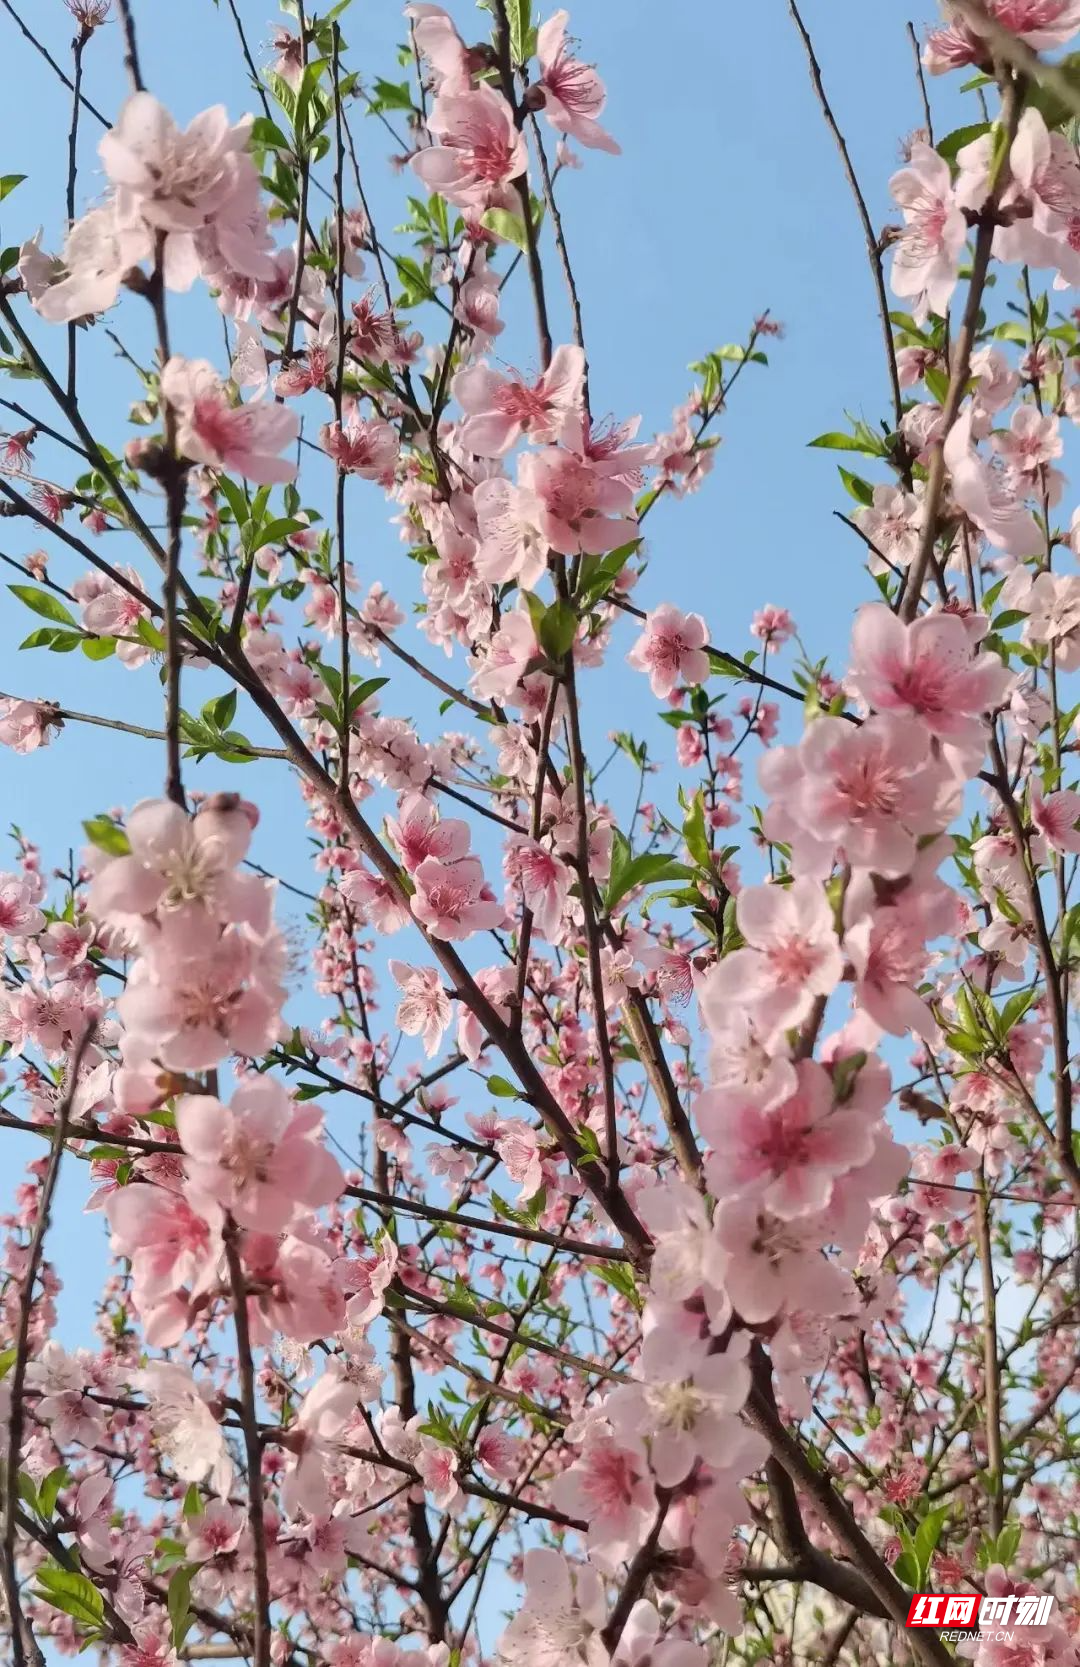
[873,252]
[73,164]
[1059,1018]
[479,1224]
[879,1592]
[521,185]
[636,1575]
[52,63]
[131,48]
[25,1648]
[961,362]
[921,79]
[991,1368]
[252,1448]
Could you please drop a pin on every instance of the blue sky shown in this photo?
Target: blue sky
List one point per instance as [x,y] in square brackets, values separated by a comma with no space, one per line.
[728,199]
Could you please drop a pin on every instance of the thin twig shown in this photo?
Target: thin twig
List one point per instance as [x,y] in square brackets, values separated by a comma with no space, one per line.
[252,1448]
[24,1646]
[873,251]
[53,65]
[131,47]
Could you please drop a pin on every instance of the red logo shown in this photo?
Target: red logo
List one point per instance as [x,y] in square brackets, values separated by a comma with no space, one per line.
[943,1609]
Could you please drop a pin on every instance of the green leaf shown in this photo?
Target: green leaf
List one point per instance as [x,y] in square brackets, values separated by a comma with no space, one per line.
[519,14]
[276,532]
[958,138]
[364,691]
[846,442]
[509,226]
[224,709]
[927,1536]
[389,95]
[8,182]
[236,498]
[71,1592]
[104,833]
[49,1491]
[906,1570]
[641,871]
[99,648]
[43,602]
[7,1361]
[731,353]
[860,490]
[558,628]
[502,1089]
[694,835]
[267,135]
[179,1603]
[150,635]
[1008,1542]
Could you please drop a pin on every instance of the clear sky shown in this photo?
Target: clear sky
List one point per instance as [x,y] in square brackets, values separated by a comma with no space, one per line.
[728,199]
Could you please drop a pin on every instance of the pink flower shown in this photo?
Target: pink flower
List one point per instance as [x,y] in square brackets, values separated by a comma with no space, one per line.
[671,650]
[684,1255]
[177,862]
[19,918]
[26,725]
[500,409]
[986,495]
[545,883]
[199,187]
[892,522]
[573,92]
[510,653]
[1056,817]
[1041,23]
[325,1411]
[261,1156]
[770,1264]
[99,250]
[438,1473]
[786,1150]
[452,899]
[927,255]
[425,1009]
[366,446]
[1052,604]
[579,504]
[184,1426]
[558,1625]
[174,1253]
[607,1487]
[189,1009]
[510,547]
[792,954]
[687,1410]
[927,669]
[244,438]
[440,44]
[479,148]
[376,899]
[773,626]
[175,180]
[215,1532]
[418,831]
[497,1453]
[519,1150]
[888,952]
[867,792]
[110,610]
